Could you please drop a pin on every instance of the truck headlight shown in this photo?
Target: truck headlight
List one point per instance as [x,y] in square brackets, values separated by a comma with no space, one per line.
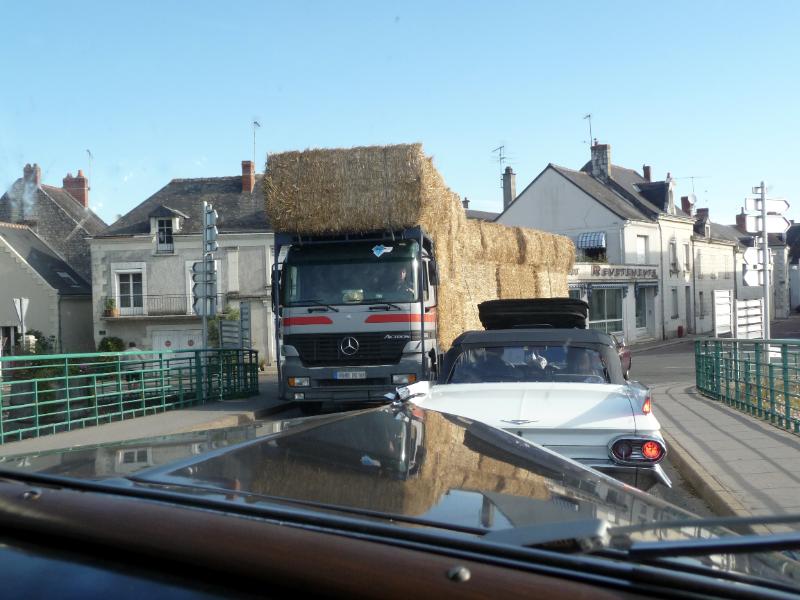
[299,381]
[404,379]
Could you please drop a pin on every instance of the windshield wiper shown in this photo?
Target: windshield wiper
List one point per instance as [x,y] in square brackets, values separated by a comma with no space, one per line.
[313,301]
[380,304]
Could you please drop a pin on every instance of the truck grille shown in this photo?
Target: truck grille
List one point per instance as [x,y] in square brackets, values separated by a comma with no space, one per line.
[323,350]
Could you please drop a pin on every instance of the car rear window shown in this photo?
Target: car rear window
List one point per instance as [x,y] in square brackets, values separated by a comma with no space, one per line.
[556,363]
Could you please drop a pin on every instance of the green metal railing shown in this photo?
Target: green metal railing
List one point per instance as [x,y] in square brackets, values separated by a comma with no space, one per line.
[761,378]
[42,395]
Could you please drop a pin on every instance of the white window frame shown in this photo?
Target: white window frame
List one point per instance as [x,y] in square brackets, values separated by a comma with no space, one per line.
[673,254]
[643,257]
[172,235]
[124,269]
[675,308]
[687,257]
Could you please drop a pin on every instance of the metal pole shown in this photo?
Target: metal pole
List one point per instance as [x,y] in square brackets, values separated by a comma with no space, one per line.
[204,303]
[765,241]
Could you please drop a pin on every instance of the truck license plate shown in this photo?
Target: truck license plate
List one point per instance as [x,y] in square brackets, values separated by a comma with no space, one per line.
[350,375]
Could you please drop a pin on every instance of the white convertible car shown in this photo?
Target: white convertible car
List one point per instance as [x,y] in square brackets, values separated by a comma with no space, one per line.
[560,388]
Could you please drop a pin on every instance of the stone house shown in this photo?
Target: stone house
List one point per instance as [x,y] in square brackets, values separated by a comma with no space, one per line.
[59,216]
[142,263]
[60,302]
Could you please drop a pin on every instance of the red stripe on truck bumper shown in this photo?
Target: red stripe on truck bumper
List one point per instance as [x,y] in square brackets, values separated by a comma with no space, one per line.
[288,321]
[401,318]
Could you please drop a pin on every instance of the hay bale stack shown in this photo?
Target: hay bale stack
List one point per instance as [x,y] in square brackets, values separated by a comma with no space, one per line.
[500,243]
[376,188]
[515,282]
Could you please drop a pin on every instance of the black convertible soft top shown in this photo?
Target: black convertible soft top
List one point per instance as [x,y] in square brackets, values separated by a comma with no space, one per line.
[504,336]
[589,338]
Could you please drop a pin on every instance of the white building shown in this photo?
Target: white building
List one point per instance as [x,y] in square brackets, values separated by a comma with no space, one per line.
[636,264]
[59,299]
[141,264]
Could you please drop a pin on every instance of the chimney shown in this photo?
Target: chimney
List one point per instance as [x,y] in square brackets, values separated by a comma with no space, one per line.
[686,205]
[741,222]
[465,203]
[601,161]
[646,171]
[702,214]
[78,188]
[509,187]
[248,176]
[32,174]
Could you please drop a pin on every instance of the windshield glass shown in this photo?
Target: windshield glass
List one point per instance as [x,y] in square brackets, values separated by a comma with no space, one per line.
[355,273]
[558,363]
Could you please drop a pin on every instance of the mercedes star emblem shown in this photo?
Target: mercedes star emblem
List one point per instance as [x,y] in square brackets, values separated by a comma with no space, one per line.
[348,346]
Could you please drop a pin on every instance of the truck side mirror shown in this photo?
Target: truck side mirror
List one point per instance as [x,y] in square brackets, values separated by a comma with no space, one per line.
[433,272]
[276,279]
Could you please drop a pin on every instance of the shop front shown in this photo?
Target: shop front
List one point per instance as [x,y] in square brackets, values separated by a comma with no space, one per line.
[622,298]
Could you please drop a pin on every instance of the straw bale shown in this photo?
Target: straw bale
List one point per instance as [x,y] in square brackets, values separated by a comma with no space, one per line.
[471,241]
[548,250]
[359,189]
[450,312]
[516,282]
[500,243]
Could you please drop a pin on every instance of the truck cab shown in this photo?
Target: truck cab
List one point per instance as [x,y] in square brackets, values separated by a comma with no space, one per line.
[356,315]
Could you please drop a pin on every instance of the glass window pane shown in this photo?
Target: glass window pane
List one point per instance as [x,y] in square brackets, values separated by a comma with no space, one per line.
[614,304]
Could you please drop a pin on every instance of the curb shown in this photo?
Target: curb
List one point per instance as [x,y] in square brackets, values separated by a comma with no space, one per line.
[236,420]
[722,501]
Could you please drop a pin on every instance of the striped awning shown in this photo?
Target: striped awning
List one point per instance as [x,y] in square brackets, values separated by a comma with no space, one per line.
[591,239]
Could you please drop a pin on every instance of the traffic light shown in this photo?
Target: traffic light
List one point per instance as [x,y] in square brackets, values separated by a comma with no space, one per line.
[210,229]
[204,287]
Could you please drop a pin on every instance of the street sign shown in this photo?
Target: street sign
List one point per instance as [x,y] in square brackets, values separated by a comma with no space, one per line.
[21,308]
[752,276]
[774,205]
[775,224]
[754,258]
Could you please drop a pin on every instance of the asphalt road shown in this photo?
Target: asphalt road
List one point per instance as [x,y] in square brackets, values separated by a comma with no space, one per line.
[665,365]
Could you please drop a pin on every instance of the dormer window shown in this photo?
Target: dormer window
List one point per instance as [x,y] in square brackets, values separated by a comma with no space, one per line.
[164,243]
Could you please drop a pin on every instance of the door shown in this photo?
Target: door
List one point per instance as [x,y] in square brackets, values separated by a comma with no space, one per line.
[689,320]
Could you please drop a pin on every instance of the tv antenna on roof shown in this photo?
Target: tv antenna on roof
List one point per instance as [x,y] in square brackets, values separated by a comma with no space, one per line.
[588,116]
[501,155]
[256,125]
[693,177]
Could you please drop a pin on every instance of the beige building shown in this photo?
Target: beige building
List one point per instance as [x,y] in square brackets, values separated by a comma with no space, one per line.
[142,264]
[60,304]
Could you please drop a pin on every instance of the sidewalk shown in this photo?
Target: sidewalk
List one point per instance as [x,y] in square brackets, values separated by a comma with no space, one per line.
[214,415]
[738,464]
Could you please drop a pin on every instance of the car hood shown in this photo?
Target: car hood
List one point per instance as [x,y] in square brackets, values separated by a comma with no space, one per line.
[410,462]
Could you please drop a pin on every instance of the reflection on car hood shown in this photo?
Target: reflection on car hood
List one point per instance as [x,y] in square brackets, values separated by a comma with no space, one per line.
[401,461]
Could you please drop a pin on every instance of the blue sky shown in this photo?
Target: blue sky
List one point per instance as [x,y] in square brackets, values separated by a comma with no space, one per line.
[161,90]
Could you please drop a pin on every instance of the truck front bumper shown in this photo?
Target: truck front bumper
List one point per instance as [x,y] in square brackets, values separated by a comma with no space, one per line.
[327,385]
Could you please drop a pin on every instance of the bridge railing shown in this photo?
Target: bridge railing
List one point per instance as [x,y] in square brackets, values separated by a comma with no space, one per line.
[41,395]
[758,377]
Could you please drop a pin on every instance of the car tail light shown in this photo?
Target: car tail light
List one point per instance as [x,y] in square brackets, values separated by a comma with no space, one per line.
[637,451]
[647,407]
[652,450]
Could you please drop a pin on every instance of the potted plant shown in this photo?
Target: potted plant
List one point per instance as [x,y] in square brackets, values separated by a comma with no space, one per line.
[111,308]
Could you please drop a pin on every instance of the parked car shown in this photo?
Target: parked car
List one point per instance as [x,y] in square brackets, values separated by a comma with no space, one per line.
[393,502]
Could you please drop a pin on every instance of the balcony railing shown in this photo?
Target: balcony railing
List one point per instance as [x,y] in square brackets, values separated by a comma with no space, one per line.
[165,248]
[162,305]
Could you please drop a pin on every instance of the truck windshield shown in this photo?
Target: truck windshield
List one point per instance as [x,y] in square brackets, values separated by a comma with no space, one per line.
[352,273]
